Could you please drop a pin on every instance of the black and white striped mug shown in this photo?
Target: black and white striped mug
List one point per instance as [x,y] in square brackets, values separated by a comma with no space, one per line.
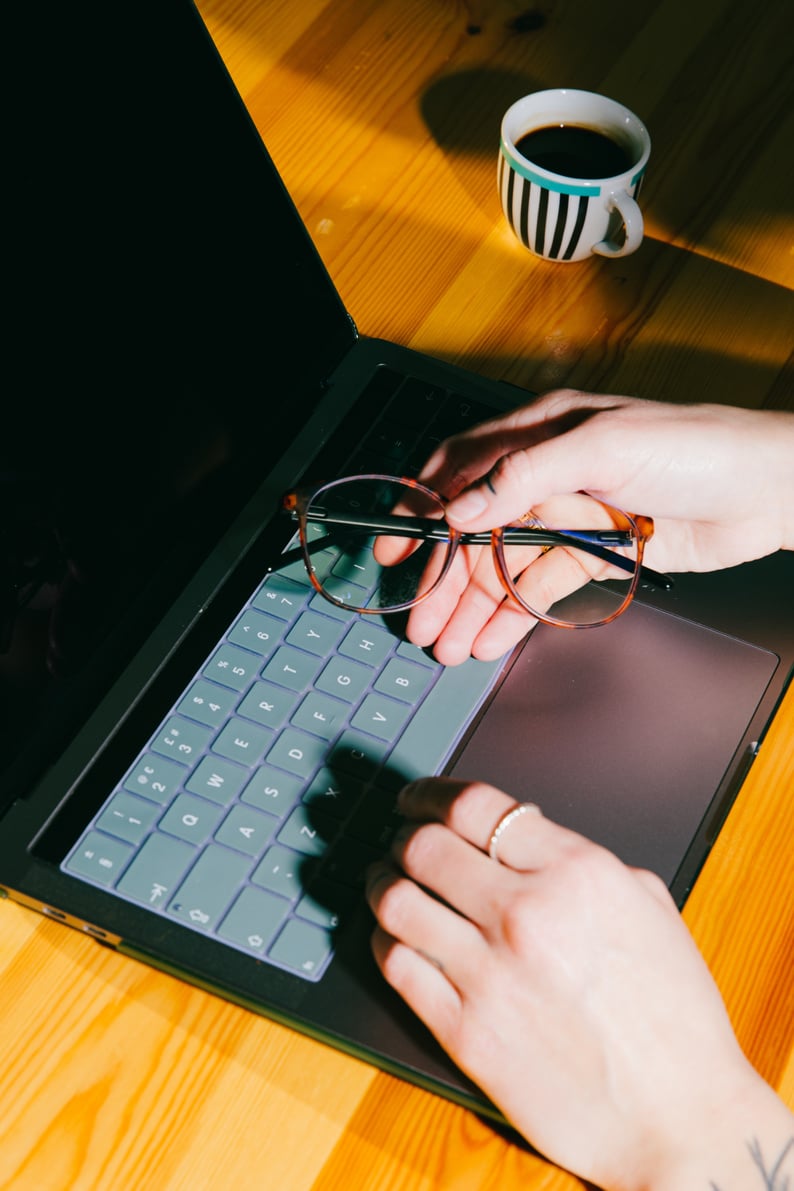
[570,167]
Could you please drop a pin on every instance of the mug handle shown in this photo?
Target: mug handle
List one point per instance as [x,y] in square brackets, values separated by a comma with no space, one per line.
[631,215]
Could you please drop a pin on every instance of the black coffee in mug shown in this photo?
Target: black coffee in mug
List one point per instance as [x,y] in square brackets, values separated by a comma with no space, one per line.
[574,151]
[571,164]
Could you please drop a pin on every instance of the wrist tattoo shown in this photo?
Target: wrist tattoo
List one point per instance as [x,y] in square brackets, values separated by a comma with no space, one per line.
[774,1179]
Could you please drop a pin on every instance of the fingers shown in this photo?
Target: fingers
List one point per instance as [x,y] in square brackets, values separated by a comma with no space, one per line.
[419,981]
[508,625]
[472,811]
[523,480]
[524,458]
[473,845]
[441,936]
[444,897]
[471,577]
[469,615]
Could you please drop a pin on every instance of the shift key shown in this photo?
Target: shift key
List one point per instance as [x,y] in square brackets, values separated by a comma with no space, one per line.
[210,886]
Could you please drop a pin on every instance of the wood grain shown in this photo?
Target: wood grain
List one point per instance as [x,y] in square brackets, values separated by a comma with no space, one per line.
[383,117]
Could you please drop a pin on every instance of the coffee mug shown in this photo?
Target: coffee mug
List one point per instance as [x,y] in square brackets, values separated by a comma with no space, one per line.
[570,168]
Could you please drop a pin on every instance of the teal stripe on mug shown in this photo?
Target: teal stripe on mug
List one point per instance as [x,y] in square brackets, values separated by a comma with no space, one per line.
[525,171]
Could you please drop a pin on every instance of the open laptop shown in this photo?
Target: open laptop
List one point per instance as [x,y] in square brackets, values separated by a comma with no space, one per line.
[181,358]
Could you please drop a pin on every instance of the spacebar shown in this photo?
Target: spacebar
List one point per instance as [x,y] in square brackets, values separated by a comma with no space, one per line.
[430,737]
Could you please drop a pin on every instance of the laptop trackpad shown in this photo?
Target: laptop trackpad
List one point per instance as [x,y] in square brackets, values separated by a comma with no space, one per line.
[623,732]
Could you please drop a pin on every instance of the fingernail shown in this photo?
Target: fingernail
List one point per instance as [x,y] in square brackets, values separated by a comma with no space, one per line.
[466,506]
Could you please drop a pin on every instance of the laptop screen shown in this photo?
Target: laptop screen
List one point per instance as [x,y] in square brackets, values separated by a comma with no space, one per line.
[169,334]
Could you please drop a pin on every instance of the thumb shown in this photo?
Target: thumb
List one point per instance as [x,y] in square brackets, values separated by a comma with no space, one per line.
[530,475]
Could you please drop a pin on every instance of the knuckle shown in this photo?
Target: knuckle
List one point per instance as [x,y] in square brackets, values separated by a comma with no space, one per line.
[518,914]
[475,810]
[590,870]
[465,810]
[509,471]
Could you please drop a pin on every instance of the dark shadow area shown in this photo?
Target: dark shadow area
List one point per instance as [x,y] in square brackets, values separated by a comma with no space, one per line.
[351,806]
[463,110]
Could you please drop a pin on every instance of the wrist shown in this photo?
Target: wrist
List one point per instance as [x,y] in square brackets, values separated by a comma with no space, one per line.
[742,1142]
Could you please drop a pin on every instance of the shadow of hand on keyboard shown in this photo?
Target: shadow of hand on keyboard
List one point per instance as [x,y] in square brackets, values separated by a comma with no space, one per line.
[353,815]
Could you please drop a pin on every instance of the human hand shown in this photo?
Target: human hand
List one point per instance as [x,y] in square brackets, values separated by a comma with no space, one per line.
[567,987]
[717,480]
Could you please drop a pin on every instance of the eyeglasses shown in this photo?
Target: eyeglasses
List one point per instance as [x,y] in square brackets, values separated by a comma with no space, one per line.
[378,544]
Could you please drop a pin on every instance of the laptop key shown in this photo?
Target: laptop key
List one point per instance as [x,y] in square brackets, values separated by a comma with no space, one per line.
[282,871]
[182,740]
[376,819]
[209,887]
[327,904]
[430,736]
[303,947]
[358,754]
[291,668]
[381,716]
[156,870]
[297,752]
[347,861]
[233,667]
[345,679]
[405,681]
[268,704]
[217,779]
[367,643]
[206,702]
[272,790]
[242,741]
[317,634]
[255,631]
[191,819]
[459,413]
[155,778]
[99,858]
[333,793]
[281,597]
[321,715]
[247,830]
[417,402]
[254,918]
[308,831]
[128,818]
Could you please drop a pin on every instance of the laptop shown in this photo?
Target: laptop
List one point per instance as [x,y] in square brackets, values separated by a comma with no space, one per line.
[181,358]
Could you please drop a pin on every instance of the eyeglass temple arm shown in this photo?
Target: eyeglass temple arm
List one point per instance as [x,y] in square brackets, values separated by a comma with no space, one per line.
[590,541]
[593,541]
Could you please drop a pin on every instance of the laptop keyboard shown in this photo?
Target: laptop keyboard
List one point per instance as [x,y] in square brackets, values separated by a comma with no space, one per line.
[257,804]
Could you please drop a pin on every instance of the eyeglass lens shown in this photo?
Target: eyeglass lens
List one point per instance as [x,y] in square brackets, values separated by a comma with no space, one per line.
[346,567]
[557,583]
[367,558]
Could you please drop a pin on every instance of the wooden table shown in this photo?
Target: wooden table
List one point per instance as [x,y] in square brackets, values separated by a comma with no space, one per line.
[382,116]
